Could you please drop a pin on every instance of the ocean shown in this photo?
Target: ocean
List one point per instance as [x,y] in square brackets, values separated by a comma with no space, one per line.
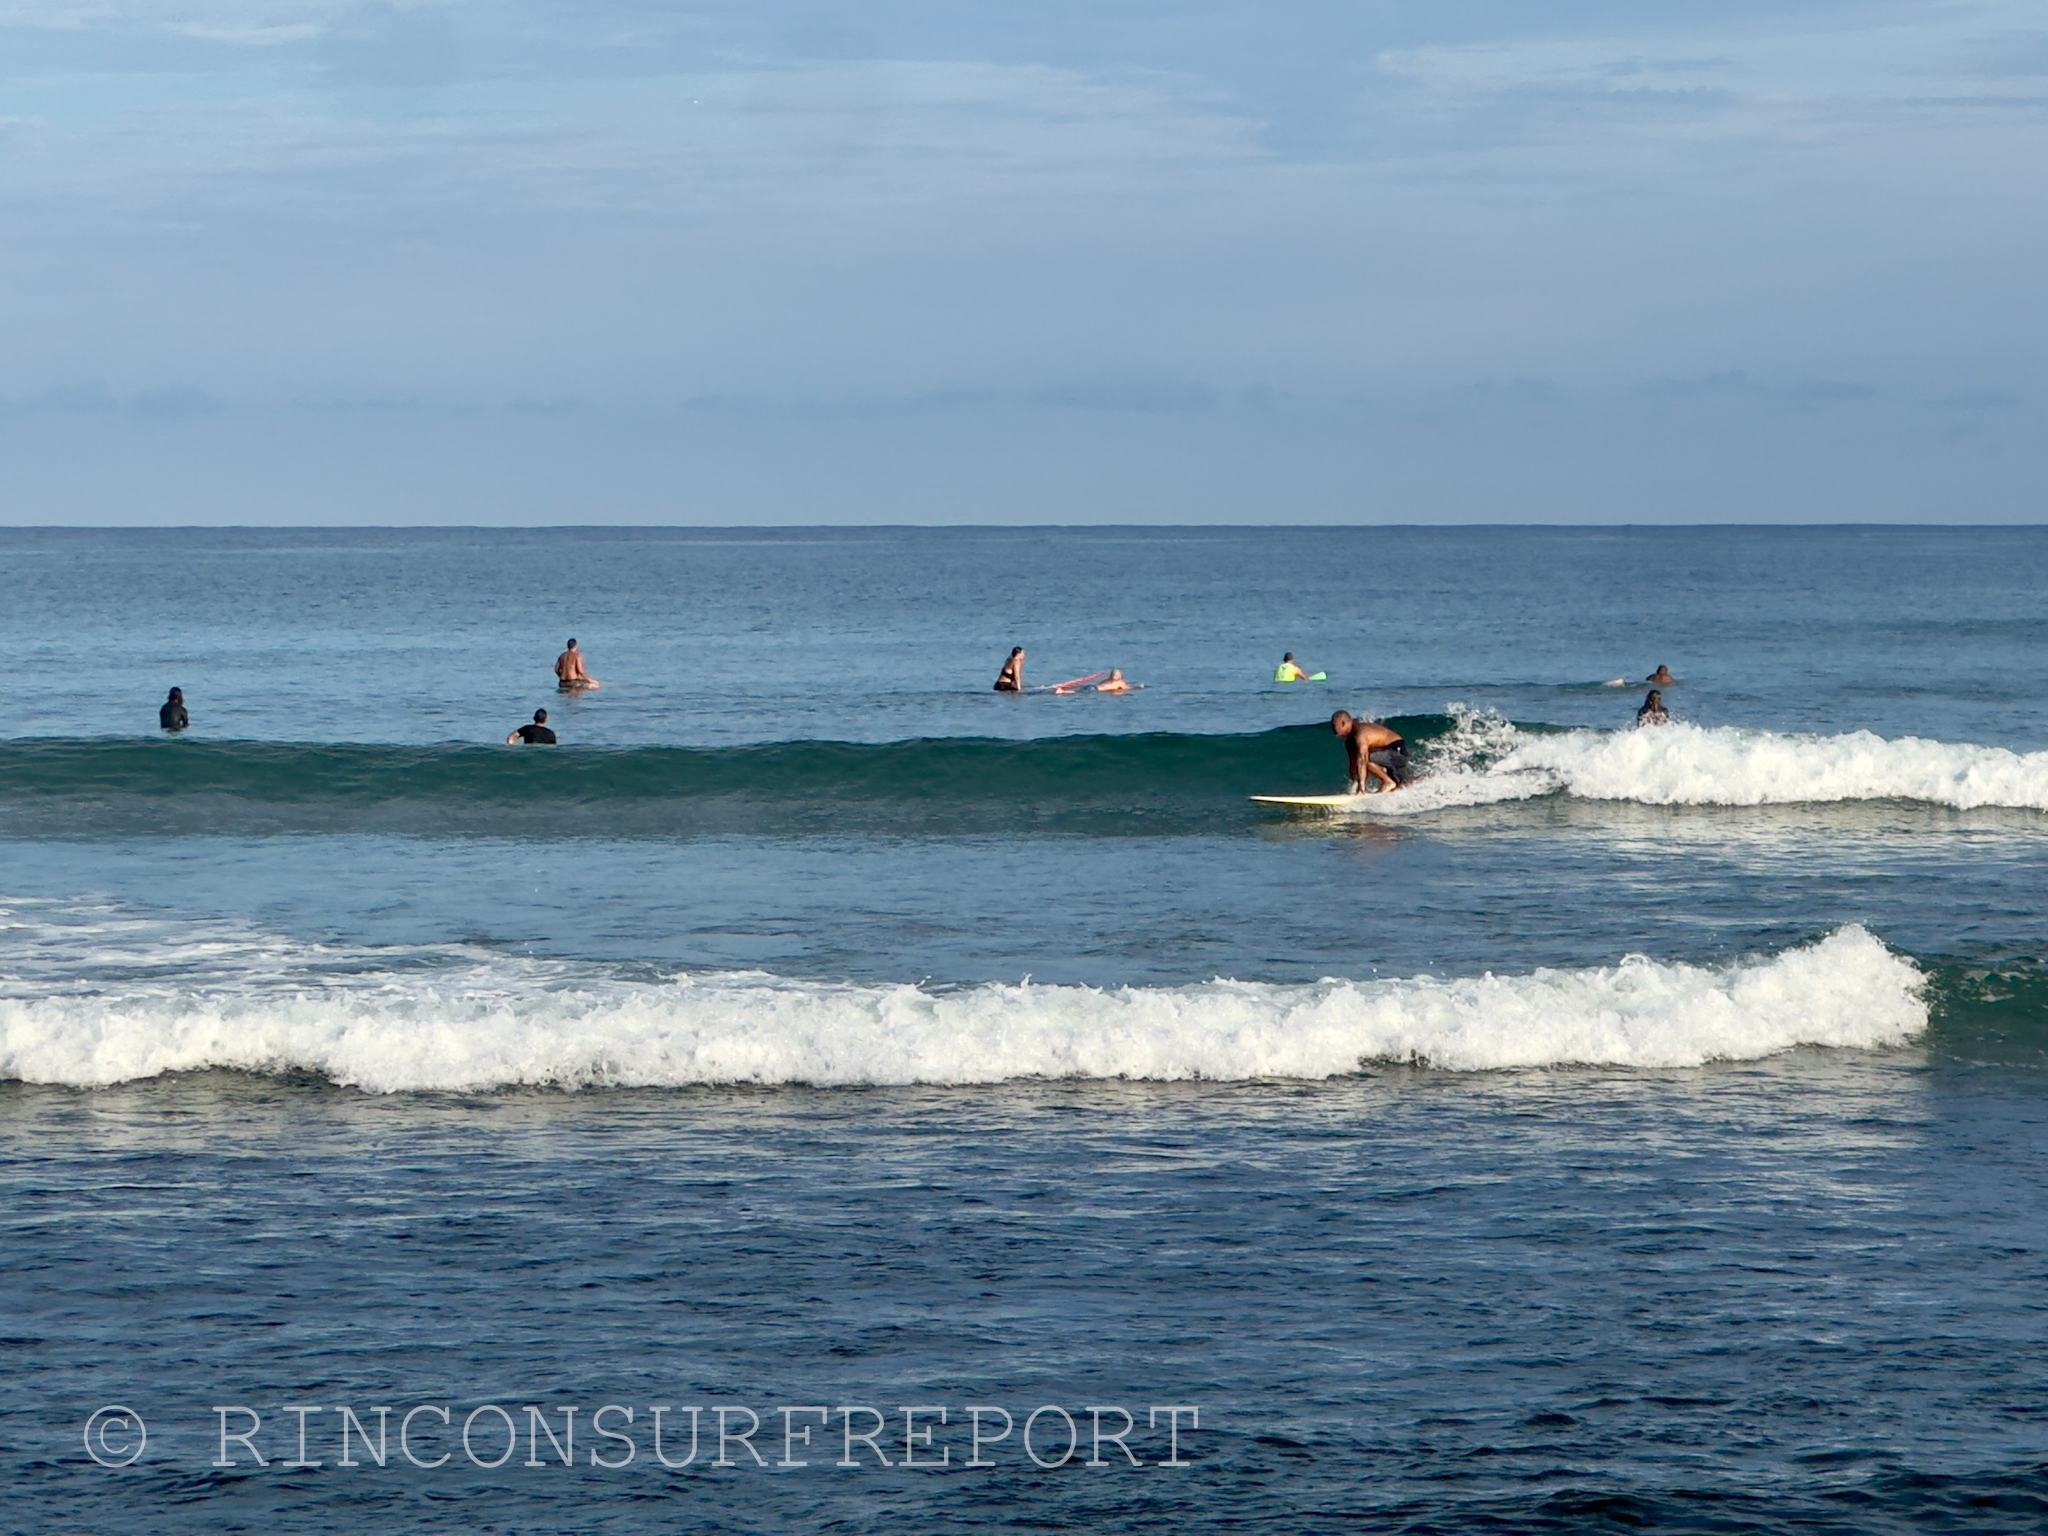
[825,1094]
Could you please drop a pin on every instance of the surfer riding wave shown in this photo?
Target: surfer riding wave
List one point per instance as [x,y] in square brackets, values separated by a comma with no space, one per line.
[1375,753]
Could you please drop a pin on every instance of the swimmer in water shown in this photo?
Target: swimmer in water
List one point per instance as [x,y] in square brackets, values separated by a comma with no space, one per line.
[1661,677]
[570,673]
[171,716]
[1653,711]
[534,735]
[1290,671]
[1116,683]
[1011,678]
[1375,753]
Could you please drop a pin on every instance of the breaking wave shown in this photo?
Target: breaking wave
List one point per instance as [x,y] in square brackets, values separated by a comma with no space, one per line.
[1163,783]
[489,1022]
[1484,760]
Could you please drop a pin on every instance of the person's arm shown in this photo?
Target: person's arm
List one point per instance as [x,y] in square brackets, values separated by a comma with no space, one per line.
[513,740]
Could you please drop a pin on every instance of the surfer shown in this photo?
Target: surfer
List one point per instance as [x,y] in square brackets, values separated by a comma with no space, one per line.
[1375,752]
[1662,677]
[1653,711]
[570,673]
[1290,671]
[1011,678]
[534,735]
[1115,684]
[172,716]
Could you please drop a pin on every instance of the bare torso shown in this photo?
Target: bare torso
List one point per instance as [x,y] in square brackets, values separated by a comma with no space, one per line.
[1363,739]
[571,672]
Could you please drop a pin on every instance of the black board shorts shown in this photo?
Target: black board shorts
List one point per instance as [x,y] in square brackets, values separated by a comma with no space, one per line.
[1395,761]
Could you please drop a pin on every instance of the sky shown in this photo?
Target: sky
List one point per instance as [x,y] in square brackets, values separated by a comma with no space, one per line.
[945,261]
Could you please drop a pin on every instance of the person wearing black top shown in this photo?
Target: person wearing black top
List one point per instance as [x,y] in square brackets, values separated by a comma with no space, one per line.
[172,716]
[1011,678]
[534,735]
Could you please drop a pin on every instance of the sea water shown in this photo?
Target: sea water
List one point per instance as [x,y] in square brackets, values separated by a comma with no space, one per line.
[1615,1128]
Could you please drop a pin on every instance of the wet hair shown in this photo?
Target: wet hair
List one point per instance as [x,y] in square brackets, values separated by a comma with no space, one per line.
[1343,715]
[1288,657]
[540,717]
[176,693]
[572,642]
[1016,650]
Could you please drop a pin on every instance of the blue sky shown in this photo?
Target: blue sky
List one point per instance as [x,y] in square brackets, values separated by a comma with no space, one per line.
[278,261]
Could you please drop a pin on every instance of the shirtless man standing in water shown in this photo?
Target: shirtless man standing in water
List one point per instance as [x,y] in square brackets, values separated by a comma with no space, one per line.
[570,673]
[1375,752]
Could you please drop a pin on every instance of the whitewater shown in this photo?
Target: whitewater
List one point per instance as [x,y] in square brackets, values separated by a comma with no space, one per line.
[1485,760]
[496,1023]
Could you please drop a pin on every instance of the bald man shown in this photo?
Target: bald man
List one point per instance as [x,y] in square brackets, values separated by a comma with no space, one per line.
[1375,753]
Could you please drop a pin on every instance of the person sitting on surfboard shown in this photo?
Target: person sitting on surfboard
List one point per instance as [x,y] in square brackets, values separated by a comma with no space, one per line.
[1375,752]
[570,673]
[1011,678]
[1653,711]
[1661,677]
[1290,671]
[534,735]
[172,716]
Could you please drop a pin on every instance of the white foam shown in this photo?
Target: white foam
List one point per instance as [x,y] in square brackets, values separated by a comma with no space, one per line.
[491,1022]
[1691,765]
[1485,761]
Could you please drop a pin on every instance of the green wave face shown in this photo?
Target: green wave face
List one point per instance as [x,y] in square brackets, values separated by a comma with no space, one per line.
[1144,784]
[1989,1016]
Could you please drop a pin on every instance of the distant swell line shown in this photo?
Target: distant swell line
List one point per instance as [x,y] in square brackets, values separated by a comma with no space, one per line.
[1163,782]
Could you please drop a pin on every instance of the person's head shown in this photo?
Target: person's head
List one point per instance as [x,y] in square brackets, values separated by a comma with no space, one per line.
[540,717]
[572,642]
[1654,701]
[1284,659]
[1115,676]
[1342,723]
[1016,651]
[177,696]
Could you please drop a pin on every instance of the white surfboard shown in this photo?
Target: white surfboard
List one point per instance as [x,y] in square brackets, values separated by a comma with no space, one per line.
[1310,802]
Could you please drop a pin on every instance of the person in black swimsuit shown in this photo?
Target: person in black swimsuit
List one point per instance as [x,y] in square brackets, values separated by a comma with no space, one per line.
[1011,678]
[172,716]
[534,735]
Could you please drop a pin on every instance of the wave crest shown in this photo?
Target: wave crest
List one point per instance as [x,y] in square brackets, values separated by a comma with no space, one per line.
[1483,760]
[505,1023]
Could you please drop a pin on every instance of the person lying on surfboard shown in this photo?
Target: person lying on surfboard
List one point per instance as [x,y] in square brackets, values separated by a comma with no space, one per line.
[1662,677]
[1375,753]
[1115,684]
[1011,678]
[571,674]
